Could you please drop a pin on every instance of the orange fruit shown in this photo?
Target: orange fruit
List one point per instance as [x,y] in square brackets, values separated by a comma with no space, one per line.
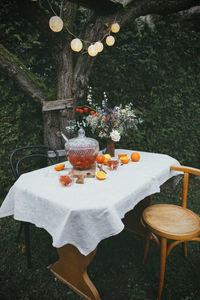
[59,167]
[120,155]
[107,156]
[135,156]
[100,175]
[105,162]
[125,159]
[100,159]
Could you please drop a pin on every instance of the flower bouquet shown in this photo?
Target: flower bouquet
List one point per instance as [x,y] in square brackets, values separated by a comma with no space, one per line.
[108,123]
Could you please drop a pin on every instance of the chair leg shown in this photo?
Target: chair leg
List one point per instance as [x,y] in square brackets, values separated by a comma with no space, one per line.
[163,252]
[27,243]
[146,249]
[185,248]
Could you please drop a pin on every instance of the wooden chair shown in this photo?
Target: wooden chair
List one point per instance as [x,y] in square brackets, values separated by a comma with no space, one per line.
[171,222]
[26,159]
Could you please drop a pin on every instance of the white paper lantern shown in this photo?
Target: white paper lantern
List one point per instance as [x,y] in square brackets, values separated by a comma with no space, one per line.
[115,27]
[56,23]
[99,46]
[76,45]
[92,50]
[110,40]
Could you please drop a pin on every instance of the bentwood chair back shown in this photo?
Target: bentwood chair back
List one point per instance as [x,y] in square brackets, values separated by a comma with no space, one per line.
[25,159]
[168,222]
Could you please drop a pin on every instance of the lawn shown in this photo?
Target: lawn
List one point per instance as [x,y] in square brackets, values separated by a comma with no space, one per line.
[116,270]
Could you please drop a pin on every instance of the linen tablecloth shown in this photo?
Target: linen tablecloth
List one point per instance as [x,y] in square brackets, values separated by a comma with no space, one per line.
[85,214]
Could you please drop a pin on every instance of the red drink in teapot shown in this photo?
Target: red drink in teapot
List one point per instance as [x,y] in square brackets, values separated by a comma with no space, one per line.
[81,151]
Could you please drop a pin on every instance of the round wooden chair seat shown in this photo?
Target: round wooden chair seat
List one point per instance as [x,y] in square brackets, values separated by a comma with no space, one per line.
[172,221]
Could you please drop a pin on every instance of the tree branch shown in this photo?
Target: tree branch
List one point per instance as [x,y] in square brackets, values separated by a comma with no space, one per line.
[161,7]
[27,81]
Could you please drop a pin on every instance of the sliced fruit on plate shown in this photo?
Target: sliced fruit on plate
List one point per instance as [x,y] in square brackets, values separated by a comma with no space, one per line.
[100,175]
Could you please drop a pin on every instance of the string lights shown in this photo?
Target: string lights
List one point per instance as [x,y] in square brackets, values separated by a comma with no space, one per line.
[110,40]
[76,45]
[56,24]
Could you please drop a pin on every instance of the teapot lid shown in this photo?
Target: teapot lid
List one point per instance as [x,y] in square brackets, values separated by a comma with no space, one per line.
[82,141]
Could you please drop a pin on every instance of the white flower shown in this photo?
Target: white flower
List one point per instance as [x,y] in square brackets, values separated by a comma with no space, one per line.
[102,134]
[115,135]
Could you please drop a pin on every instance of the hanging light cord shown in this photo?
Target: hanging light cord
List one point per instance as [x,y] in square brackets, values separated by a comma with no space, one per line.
[60,14]
[56,24]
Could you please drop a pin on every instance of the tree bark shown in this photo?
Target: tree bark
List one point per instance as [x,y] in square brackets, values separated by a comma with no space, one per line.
[161,7]
[26,80]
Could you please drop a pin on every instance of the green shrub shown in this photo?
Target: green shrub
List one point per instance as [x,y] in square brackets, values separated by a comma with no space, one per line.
[154,65]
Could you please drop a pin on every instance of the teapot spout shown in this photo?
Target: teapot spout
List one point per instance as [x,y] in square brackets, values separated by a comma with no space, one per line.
[64,137]
[59,134]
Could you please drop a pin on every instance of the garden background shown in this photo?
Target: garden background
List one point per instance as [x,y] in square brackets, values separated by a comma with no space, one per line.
[155,64]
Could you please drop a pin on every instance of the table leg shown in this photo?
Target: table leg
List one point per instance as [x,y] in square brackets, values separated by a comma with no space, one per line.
[71,269]
[132,219]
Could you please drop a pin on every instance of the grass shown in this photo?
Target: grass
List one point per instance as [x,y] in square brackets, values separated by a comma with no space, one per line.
[116,270]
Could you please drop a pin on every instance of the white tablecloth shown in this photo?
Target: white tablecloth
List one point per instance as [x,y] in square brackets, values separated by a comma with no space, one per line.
[84,214]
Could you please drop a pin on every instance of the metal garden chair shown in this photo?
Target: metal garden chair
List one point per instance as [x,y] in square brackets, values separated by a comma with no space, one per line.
[26,159]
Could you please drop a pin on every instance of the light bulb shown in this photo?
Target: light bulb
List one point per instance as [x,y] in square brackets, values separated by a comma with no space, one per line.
[99,46]
[76,45]
[115,27]
[56,23]
[110,40]
[92,50]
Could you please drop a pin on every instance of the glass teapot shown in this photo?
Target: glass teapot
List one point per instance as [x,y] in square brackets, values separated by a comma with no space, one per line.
[81,151]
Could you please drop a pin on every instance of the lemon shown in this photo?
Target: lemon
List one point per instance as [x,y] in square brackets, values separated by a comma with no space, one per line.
[107,156]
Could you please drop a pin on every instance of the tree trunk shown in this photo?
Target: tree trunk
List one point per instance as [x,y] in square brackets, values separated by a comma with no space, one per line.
[72,83]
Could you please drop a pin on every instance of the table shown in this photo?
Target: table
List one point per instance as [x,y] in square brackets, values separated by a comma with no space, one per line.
[80,216]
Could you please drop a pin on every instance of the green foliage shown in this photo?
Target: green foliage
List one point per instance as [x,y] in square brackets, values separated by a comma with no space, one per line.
[155,65]
[28,46]
[20,124]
